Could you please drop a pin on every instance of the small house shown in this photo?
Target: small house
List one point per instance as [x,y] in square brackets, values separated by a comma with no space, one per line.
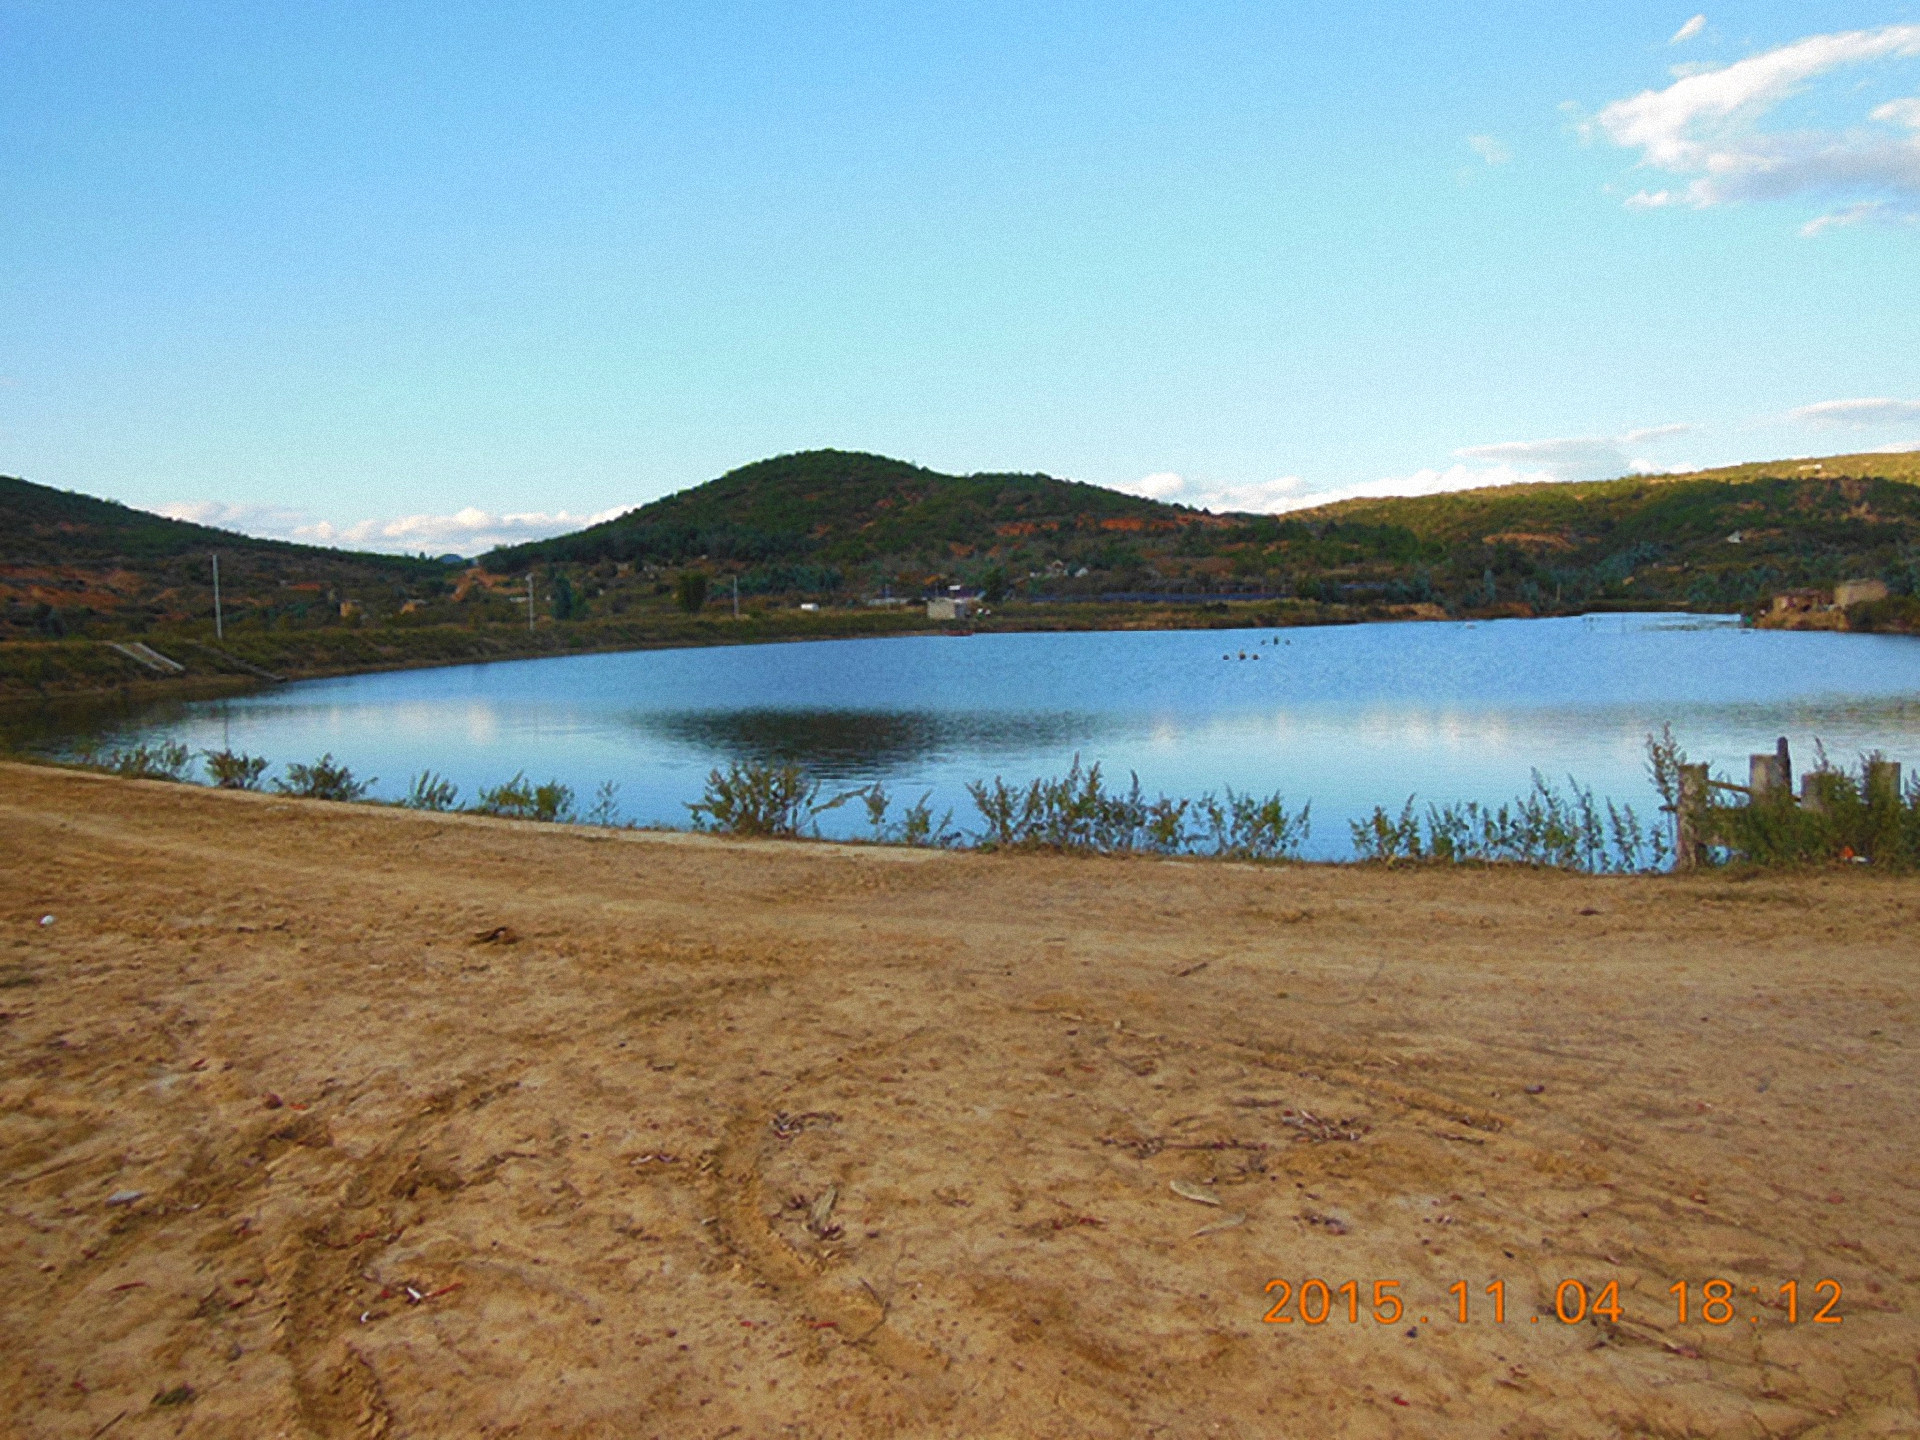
[1857,592]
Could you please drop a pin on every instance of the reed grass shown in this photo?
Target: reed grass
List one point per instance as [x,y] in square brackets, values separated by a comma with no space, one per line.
[1076,813]
[148,760]
[235,770]
[324,779]
[521,799]
[431,791]
[1841,816]
[1550,827]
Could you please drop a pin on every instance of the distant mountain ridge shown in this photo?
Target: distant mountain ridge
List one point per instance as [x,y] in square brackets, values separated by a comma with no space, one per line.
[840,525]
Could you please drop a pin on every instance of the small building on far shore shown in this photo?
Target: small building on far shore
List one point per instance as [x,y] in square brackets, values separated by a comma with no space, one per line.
[1790,602]
[950,607]
[1825,609]
[1858,592]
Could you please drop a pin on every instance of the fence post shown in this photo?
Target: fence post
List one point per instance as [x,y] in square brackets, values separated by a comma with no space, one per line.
[1764,777]
[1686,817]
[1883,781]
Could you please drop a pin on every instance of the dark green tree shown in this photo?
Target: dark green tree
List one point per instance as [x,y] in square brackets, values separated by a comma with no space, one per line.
[690,591]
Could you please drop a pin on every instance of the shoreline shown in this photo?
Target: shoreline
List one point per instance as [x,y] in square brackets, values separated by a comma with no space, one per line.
[34,673]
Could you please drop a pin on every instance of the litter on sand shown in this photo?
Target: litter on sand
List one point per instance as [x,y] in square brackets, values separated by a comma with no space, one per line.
[1228,1222]
[822,1210]
[1192,1192]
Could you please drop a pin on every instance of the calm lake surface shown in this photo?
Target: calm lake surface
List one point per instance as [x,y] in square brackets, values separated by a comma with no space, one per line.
[1346,717]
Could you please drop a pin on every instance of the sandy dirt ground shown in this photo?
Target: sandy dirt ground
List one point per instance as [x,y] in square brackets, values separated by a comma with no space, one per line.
[338,1121]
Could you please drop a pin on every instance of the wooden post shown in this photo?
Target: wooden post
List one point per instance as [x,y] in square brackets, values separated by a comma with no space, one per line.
[1811,800]
[1883,782]
[1686,831]
[1771,776]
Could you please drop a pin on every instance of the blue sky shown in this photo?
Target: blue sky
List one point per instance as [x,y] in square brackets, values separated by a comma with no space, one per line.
[417,276]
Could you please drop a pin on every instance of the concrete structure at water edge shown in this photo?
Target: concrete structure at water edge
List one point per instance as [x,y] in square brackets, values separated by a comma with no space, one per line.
[1799,602]
[1858,592]
[1821,609]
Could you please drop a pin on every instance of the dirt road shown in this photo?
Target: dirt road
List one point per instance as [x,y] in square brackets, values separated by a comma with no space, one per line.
[724,1139]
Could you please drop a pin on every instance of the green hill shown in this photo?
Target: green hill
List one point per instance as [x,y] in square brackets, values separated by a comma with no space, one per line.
[1710,539]
[835,507]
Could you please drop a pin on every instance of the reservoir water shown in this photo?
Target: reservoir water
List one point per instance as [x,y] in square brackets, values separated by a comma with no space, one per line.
[1347,717]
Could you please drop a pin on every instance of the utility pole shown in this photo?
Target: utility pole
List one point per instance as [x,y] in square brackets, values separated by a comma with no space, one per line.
[736,597]
[219,624]
[529,602]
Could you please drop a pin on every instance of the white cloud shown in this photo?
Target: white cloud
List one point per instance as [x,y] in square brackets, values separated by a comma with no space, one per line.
[1587,457]
[1427,482]
[1858,414]
[1163,485]
[1653,432]
[1489,149]
[1899,112]
[1687,31]
[1706,128]
[1861,212]
[468,531]
[1538,462]
[1584,458]
[1262,497]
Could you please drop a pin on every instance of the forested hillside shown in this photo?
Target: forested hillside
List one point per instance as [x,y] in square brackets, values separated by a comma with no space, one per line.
[830,523]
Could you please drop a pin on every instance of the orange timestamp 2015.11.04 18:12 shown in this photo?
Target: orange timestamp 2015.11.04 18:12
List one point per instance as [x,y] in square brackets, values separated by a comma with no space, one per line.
[1714,1302]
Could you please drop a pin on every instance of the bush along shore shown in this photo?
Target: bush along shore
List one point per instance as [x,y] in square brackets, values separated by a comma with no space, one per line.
[1863,817]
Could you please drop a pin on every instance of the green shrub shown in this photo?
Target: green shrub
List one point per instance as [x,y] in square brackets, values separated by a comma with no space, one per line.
[1898,613]
[1838,817]
[917,825]
[324,779]
[690,591]
[1249,828]
[149,760]
[605,810]
[1076,812]
[431,792]
[755,799]
[1560,830]
[234,770]
[520,799]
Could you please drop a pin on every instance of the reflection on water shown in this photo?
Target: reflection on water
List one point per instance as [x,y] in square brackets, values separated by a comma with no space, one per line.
[861,744]
[1345,717]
